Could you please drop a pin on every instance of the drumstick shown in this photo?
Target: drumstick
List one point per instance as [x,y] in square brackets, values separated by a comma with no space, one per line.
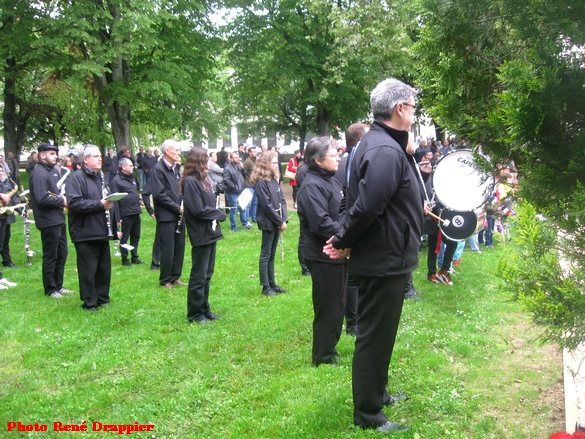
[445,222]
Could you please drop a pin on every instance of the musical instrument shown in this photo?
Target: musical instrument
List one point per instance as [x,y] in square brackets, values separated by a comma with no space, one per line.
[10,193]
[458,182]
[461,225]
[61,183]
[104,195]
[180,221]
[29,253]
[9,210]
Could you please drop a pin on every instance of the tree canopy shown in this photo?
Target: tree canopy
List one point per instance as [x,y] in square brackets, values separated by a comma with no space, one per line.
[308,66]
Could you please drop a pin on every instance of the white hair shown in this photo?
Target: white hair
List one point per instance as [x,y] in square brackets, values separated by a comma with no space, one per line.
[387,94]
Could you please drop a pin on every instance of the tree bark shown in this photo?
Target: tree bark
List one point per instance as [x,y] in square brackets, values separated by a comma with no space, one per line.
[15,117]
[323,122]
[118,112]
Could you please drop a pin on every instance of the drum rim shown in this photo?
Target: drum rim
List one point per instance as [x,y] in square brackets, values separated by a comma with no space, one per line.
[455,151]
[474,211]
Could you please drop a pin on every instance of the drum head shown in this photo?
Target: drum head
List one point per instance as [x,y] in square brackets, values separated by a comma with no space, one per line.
[462,225]
[459,184]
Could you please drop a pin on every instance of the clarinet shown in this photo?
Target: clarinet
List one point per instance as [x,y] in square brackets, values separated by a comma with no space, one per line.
[180,221]
[104,195]
[29,253]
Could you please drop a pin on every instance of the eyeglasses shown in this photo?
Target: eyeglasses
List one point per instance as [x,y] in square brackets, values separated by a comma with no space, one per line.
[410,105]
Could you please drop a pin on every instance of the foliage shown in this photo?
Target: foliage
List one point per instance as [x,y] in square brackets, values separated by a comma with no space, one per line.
[87,71]
[510,75]
[301,66]
[545,278]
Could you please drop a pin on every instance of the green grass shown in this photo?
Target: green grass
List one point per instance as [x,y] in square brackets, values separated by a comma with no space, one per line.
[465,354]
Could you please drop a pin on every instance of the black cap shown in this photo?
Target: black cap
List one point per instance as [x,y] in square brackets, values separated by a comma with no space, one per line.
[47,147]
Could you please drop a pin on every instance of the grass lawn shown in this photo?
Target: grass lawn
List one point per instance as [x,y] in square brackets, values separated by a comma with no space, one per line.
[467,356]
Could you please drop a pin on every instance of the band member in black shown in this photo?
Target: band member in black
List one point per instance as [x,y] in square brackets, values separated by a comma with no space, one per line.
[202,218]
[169,214]
[91,227]
[48,204]
[127,210]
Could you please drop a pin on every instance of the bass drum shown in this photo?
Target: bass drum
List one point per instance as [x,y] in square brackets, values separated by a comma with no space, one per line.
[462,224]
[459,184]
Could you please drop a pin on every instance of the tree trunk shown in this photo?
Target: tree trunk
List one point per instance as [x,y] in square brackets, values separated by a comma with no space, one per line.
[302,137]
[15,120]
[323,122]
[118,112]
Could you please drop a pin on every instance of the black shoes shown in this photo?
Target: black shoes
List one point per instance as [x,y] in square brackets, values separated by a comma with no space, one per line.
[137,262]
[413,295]
[211,316]
[91,309]
[279,289]
[9,264]
[201,320]
[267,291]
[396,398]
[389,427]
[126,263]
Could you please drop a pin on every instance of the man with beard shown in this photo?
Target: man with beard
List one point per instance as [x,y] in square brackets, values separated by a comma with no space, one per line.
[48,205]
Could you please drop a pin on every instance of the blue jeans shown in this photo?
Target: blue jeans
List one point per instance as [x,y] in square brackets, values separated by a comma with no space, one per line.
[489,231]
[474,243]
[253,206]
[232,202]
[141,179]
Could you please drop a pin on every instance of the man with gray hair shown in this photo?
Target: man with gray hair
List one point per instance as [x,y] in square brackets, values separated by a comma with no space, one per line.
[91,228]
[127,210]
[381,228]
[168,208]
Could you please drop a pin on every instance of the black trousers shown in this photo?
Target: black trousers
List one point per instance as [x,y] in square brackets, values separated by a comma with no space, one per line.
[6,246]
[380,306]
[55,251]
[329,294]
[156,250]
[432,256]
[203,258]
[172,250]
[130,229]
[302,234]
[351,306]
[267,255]
[94,266]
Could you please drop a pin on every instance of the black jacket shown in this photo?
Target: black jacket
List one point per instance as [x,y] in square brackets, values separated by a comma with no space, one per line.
[111,164]
[200,212]
[271,204]
[47,208]
[233,179]
[149,163]
[318,200]
[383,221]
[130,204]
[164,183]
[87,216]
[301,174]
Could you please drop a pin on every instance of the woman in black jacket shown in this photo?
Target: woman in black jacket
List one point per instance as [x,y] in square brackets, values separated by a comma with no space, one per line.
[201,217]
[319,199]
[271,215]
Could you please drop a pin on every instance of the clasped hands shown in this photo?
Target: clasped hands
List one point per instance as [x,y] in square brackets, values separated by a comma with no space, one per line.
[335,253]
